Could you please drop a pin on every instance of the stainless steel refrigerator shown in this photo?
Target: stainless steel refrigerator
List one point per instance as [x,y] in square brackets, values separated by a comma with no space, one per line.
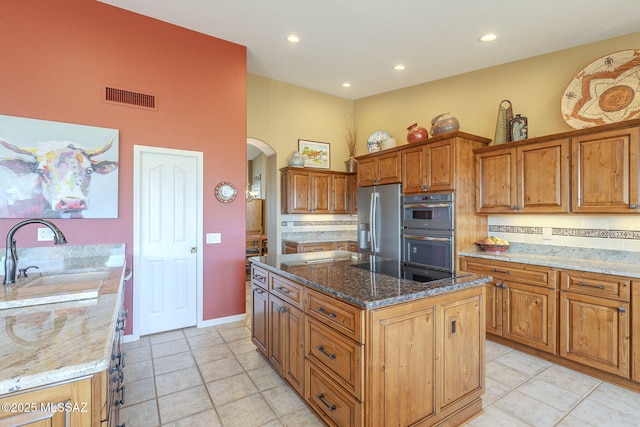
[379,224]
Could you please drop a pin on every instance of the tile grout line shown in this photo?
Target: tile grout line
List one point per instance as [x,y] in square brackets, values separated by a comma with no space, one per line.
[574,406]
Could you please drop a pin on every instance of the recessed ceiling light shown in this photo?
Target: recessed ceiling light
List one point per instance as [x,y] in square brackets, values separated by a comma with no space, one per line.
[346,84]
[399,67]
[489,37]
[293,39]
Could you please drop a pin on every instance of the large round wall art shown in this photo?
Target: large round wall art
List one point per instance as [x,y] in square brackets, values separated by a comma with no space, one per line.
[605,91]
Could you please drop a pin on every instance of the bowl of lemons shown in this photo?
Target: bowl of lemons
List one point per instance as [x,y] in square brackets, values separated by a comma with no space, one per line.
[493,244]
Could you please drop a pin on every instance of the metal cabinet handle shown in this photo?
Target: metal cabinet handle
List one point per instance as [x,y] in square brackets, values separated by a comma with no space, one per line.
[586,285]
[281,309]
[633,206]
[118,377]
[257,290]
[325,312]
[120,357]
[121,400]
[321,349]
[503,286]
[495,270]
[321,398]
[498,285]
[622,310]
[283,290]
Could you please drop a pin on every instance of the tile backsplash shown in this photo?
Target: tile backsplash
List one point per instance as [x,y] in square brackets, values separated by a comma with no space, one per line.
[319,227]
[582,231]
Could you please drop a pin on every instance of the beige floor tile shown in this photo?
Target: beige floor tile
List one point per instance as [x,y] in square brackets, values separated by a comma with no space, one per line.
[301,418]
[167,348]
[265,378]
[142,342]
[218,369]
[143,414]
[139,354]
[524,363]
[137,371]
[252,360]
[493,390]
[234,334]
[504,374]
[207,418]
[213,352]
[571,421]
[250,411]
[618,398]
[283,400]
[230,325]
[549,394]
[494,350]
[232,388]
[183,404]
[569,380]
[172,363]
[592,411]
[528,410]
[495,417]
[193,331]
[139,391]
[209,338]
[273,423]
[241,346]
[178,380]
[165,336]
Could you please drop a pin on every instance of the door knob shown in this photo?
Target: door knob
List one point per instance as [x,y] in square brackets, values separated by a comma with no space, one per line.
[194,250]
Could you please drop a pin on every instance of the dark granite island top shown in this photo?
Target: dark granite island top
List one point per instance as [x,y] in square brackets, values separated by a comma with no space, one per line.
[335,273]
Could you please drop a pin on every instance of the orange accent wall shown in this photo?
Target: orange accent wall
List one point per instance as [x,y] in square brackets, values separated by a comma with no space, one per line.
[55,59]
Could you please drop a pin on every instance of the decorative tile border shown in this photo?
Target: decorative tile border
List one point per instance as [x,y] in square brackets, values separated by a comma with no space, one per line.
[317,223]
[572,232]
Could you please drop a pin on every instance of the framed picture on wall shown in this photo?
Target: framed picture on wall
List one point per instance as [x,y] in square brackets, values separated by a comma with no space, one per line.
[316,154]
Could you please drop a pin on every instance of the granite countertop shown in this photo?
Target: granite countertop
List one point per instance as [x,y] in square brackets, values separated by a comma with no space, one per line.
[318,240]
[621,263]
[40,344]
[334,273]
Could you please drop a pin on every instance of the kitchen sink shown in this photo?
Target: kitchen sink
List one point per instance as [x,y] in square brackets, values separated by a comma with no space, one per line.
[53,288]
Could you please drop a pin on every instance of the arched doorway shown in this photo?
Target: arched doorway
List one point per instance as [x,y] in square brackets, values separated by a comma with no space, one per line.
[262,182]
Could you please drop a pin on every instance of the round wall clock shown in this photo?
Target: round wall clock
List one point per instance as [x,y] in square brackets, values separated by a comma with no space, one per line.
[226,192]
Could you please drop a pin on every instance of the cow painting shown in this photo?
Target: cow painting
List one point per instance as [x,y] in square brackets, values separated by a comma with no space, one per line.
[51,180]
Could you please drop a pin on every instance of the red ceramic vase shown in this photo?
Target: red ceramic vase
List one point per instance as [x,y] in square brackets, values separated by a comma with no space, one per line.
[416,133]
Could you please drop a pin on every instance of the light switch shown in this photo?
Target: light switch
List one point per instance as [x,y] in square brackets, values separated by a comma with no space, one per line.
[45,235]
[214,238]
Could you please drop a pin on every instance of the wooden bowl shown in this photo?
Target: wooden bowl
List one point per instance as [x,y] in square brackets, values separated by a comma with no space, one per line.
[492,248]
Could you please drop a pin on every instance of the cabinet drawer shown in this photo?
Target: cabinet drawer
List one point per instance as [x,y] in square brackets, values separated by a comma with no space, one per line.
[315,247]
[259,276]
[287,290]
[340,316]
[499,270]
[335,354]
[603,285]
[329,401]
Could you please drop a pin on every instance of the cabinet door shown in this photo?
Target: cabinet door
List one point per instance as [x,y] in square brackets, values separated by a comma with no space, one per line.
[403,343]
[276,340]
[496,181]
[299,192]
[604,172]
[493,312]
[543,177]
[320,193]
[389,168]
[340,194]
[529,314]
[259,319]
[367,172]
[440,171]
[294,348]
[463,334]
[414,170]
[595,331]
[315,247]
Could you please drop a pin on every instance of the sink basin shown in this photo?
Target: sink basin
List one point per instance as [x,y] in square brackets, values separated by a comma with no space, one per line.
[53,288]
[67,278]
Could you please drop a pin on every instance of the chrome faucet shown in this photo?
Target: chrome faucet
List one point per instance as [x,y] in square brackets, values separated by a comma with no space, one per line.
[11,257]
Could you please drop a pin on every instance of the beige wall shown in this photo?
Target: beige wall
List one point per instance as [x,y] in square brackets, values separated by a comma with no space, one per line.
[534,86]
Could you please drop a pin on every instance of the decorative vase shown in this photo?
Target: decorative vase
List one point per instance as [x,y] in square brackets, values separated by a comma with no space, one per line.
[296,160]
[388,143]
[351,164]
[444,123]
[416,133]
[519,128]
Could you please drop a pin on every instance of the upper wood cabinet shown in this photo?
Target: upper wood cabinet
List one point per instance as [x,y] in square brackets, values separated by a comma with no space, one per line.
[318,192]
[604,172]
[429,167]
[524,178]
[378,169]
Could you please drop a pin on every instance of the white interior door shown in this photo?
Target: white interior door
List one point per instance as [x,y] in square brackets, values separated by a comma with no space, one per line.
[166,243]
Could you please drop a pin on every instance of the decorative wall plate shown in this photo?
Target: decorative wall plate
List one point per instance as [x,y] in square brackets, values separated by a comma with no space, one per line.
[605,91]
[374,143]
[226,192]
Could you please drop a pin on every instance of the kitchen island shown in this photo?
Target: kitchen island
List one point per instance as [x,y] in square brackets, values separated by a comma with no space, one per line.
[365,348]
[58,360]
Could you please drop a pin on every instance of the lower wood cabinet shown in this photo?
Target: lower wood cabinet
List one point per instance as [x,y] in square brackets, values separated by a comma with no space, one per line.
[595,321]
[340,245]
[521,301]
[420,362]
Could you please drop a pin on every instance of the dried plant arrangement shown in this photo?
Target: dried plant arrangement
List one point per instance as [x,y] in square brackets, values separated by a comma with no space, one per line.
[351,134]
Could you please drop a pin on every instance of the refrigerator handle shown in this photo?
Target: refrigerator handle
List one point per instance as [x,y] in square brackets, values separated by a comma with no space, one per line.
[374,220]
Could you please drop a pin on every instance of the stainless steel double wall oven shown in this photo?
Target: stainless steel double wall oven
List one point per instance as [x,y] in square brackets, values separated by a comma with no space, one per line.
[428,230]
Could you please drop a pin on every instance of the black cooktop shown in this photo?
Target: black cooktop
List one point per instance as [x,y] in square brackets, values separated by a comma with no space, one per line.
[393,268]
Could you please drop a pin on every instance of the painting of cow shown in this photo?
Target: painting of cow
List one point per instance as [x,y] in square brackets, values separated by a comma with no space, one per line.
[58,178]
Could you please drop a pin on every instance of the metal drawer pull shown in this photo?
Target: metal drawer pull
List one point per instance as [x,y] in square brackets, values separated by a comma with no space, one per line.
[281,309]
[321,398]
[121,391]
[283,290]
[258,290]
[118,377]
[622,310]
[323,311]
[586,285]
[321,349]
[120,357]
[495,270]
[258,278]
[121,324]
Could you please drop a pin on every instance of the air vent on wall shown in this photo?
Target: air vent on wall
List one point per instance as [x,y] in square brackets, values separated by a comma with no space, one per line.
[129,98]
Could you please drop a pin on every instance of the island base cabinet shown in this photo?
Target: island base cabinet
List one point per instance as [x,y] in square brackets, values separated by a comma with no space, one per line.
[433,347]
[63,405]
[286,342]
[332,404]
